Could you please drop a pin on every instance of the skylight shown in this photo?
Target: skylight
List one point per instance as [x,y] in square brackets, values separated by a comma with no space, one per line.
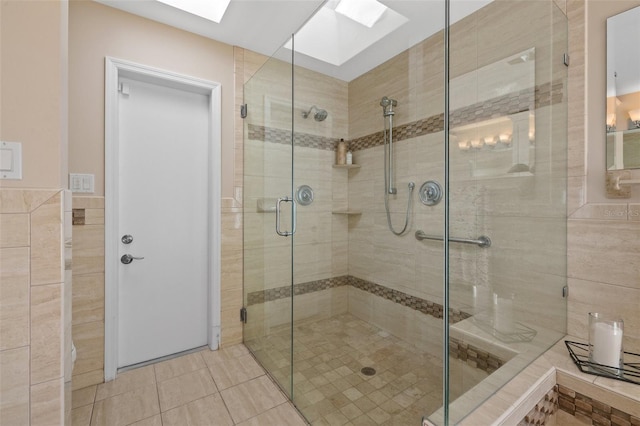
[339,30]
[213,10]
[366,12]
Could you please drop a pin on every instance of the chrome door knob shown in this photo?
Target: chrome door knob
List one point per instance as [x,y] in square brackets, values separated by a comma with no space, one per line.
[126,239]
[127,258]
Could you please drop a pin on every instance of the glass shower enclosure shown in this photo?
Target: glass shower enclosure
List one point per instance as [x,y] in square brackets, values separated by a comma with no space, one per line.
[354,319]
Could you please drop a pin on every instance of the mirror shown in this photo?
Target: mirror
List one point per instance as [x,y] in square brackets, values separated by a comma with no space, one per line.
[623,90]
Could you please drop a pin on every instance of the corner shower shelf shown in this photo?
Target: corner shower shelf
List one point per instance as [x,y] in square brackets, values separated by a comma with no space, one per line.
[346,166]
[347,212]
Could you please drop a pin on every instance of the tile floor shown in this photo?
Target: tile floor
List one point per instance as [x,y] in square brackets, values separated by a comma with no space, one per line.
[225,387]
[329,387]
[228,387]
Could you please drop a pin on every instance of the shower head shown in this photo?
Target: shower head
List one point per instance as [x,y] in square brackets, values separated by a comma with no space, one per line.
[385,102]
[387,105]
[320,115]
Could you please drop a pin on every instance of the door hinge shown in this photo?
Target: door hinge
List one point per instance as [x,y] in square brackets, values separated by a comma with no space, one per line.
[243,111]
[565,59]
[565,292]
[243,315]
[123,88]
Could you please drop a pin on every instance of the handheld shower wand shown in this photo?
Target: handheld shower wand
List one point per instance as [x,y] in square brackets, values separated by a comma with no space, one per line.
[387,105]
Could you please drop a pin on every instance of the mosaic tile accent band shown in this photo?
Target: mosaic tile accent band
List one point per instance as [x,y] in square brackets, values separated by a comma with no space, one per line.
[413,302]
[77,216]
[273,135]
[593,411]
[539,415]
[524,100]
[475,357]
[404,299]
[432,124]
[269,295]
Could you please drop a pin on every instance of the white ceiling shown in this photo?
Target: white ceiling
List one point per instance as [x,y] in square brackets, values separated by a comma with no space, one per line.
[264,26]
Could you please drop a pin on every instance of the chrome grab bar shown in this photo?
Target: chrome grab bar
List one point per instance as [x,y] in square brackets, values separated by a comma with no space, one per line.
[293,217]
[482,241]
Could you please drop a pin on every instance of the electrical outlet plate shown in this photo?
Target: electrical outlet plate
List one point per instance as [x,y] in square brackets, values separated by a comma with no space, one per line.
[10,160]
[81,183]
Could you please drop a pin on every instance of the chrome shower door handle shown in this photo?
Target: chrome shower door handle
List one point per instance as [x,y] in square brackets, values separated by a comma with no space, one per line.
[293,217]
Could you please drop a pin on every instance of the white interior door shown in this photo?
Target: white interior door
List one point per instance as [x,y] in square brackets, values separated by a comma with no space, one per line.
[163,204]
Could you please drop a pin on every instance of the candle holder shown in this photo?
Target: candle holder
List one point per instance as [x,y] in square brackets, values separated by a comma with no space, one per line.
[579,353]
[605,344]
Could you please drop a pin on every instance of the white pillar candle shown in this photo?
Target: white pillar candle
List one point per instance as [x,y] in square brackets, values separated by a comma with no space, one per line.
[607,344]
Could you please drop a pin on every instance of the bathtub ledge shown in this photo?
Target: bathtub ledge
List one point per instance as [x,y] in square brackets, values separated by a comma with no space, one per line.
[510,404]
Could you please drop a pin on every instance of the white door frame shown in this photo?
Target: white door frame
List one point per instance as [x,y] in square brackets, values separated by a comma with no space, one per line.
[114,69]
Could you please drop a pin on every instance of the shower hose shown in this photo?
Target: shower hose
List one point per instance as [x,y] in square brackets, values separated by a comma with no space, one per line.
[387,171]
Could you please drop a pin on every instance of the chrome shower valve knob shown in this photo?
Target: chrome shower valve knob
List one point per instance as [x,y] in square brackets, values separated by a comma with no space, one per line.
[430,193]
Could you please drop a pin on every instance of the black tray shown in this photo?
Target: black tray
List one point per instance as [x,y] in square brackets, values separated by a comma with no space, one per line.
[630,371]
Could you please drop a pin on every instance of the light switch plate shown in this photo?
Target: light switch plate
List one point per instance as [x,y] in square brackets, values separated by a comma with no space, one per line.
[81,182]
[10,160]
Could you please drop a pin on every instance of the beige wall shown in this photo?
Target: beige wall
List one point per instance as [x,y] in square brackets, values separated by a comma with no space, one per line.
[96,31]
[603,235]
[35,297]
[33,90]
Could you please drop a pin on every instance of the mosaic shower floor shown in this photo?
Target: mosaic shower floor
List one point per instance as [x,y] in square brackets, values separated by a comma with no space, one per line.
[329,387]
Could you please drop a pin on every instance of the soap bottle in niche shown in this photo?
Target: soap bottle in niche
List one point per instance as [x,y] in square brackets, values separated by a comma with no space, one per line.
[341,153]
[349,157]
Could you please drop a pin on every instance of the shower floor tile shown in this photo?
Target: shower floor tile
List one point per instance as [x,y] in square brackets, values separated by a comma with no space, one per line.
[329,387]
[199,389]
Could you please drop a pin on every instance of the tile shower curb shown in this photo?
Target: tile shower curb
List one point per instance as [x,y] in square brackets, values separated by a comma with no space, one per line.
[539,415]
[589,409]
[579,406]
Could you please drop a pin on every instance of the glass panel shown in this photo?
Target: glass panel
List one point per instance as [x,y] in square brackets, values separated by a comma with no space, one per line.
[368,302]
[348,313]
[267,177]
[508,147]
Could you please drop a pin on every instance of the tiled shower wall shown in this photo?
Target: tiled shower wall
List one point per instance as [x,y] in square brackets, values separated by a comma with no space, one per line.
[321,238]
[603,238]
[497,207]
[523,215]
[35,357]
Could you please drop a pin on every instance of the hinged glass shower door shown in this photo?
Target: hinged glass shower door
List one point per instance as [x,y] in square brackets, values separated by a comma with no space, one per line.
[269,214]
